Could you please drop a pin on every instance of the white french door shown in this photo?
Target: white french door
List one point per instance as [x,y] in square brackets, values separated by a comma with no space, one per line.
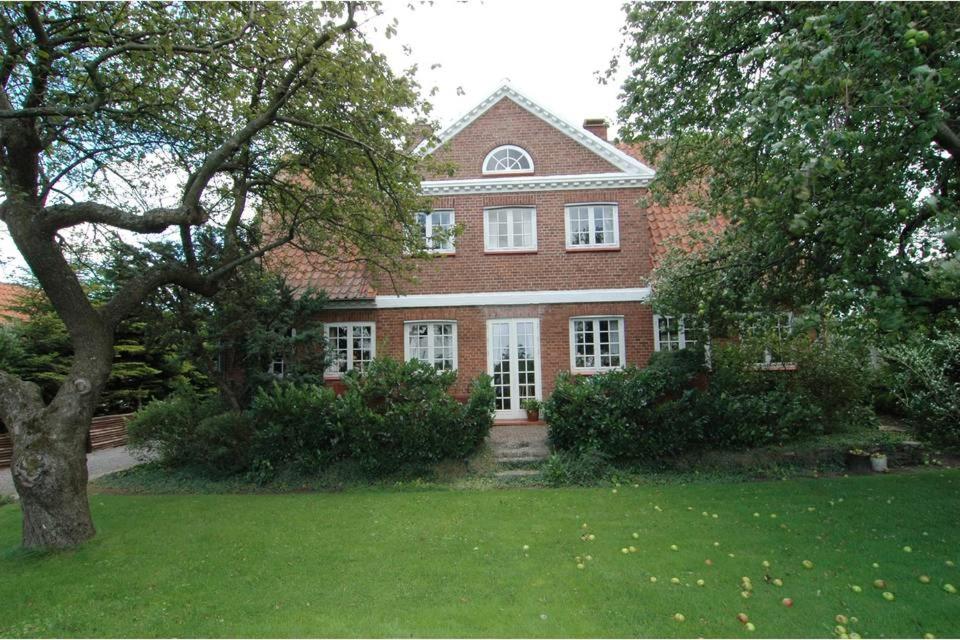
[513,361]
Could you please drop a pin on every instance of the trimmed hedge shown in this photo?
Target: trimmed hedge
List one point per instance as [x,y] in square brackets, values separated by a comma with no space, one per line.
[662,410]
[392,415]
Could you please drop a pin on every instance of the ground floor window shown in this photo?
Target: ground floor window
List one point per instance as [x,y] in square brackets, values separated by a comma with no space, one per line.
[596,344]
[671,333]
[434,342]
[350,345]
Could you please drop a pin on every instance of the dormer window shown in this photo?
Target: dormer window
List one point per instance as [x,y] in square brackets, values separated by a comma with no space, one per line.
[508,159]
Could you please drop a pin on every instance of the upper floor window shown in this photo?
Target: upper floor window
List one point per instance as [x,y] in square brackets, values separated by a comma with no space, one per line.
[350,346]
[508,159]
[510,229]
[672,334]
[596,344]
[592,225]
[433,342]
[436,230]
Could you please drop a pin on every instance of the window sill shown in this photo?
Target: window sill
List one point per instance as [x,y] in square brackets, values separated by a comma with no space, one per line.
[509,252]
[589,249]
[594,372]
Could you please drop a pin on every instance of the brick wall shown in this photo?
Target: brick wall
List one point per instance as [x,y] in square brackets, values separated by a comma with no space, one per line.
[472,332]
[506,122]
[552,266]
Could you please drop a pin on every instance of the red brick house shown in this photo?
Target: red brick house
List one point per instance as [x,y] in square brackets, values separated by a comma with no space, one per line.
[10,295]
[551,270]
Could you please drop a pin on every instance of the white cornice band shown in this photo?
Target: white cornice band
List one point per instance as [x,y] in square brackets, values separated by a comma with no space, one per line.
[533,183]
[497,298]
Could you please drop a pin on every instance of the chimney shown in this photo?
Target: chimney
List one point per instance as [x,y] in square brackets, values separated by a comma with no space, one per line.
[596,126]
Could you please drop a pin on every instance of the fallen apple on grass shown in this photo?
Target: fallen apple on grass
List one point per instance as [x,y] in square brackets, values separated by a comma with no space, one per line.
[807,564]
[787,602]
[888,596]
[679,617]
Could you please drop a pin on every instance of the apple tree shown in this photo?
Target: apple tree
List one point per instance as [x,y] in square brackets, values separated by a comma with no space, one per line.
[826,135]
[155,126]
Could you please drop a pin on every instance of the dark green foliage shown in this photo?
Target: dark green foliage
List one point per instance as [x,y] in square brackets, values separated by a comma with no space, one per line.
[585,467]
[393,415]
[825,134]
[925,379]
[169,428]
[402,413]
[298,426]
[659,411]
[626,414]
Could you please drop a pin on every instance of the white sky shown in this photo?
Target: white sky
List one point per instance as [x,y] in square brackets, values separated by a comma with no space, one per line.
[551,50]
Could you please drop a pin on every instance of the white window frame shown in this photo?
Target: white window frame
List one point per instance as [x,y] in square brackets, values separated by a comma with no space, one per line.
[408,326]
[275,360]
[486,159]
[596,330]
[681,327]
[567,210]
[428,226]
[511,249]
[783,331]
[330,373]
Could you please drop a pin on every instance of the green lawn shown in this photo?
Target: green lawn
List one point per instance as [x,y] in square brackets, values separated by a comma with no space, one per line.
[453,563]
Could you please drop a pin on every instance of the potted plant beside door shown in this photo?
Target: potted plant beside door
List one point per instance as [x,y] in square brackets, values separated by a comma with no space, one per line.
[532,407]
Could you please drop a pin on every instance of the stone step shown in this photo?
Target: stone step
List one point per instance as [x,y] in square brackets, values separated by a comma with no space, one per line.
[517,473]
[510,454]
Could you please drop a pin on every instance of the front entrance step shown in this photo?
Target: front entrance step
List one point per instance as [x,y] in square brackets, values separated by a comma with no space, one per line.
[513,444]
[517,473]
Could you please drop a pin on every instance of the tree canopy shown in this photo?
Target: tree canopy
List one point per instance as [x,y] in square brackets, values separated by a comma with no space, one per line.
[826,135]
[157,129]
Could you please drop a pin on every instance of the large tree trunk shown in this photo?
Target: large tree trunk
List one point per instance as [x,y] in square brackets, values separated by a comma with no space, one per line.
[50,473]
[49,448]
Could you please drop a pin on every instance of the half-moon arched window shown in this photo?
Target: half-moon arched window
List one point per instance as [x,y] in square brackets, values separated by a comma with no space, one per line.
[508,159]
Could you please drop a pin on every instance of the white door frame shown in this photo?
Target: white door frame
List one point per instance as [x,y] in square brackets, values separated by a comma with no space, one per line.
[516,412]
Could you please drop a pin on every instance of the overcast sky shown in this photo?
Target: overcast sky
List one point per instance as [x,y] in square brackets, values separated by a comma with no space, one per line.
[551,50]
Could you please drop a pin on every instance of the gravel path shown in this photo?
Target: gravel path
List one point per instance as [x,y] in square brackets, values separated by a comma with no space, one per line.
[99,463]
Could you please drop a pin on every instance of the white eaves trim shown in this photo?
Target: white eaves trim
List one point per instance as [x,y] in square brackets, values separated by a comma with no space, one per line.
[534,183]
[497,298]
[602,148]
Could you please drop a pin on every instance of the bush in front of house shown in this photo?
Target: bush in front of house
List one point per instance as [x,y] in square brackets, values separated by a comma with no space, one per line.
[297,426]
[393,415]
[925,377]
[168,428]
[401,414]
[645,414]
[627,414]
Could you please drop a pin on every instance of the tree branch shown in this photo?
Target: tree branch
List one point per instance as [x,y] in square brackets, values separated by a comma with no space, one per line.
[61,216]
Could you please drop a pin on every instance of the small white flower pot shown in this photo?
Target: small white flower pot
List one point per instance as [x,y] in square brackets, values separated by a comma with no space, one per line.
[879,464]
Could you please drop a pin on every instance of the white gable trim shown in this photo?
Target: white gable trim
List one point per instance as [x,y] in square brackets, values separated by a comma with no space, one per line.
[602,148]
[533,183]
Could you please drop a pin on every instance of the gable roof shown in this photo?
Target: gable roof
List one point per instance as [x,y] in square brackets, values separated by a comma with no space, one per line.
[670,224]
[10,295]
[340,279]
[609,152]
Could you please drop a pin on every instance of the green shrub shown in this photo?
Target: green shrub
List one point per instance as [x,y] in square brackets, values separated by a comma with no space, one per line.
[926,382]
[626,414]
[225,442]
[579,468]
[657,412]
[401,414]
[296,426]
[167,428]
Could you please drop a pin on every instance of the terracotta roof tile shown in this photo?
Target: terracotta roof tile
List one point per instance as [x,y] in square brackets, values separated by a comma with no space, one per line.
[10,295]
[670,224]
[340,278]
